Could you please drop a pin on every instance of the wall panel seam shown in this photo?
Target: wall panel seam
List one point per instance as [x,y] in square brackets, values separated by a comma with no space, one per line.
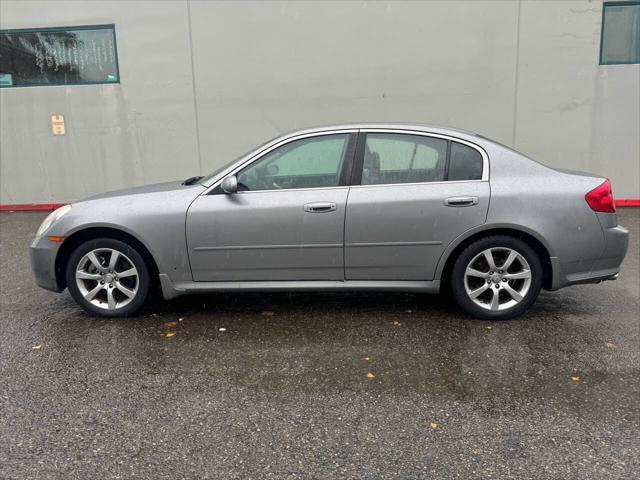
[517,78]
[193,86]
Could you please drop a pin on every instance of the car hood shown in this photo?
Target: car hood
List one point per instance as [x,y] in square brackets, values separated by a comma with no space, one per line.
[154,188]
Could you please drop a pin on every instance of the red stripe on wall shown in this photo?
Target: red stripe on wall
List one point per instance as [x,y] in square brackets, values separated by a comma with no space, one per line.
[41,207]
[627,202]
[29,207]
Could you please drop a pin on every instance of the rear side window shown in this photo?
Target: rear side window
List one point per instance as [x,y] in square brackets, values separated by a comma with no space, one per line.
[465,163]
[401,158]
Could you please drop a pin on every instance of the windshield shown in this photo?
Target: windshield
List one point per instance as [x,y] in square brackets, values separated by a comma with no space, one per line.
[206,180]
[209,179]
[213,176]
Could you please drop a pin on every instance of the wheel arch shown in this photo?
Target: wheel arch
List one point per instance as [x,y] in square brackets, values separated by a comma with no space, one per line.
[80,236]
[534,240]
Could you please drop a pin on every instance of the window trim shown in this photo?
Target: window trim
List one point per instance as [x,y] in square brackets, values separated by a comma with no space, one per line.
[604,7]
[102,26]
[345,173]
[356,175]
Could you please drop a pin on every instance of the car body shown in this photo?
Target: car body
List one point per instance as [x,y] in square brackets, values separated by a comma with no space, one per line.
[350,207]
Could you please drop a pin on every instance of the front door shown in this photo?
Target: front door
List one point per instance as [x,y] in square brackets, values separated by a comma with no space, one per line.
[415,195]
[286,222]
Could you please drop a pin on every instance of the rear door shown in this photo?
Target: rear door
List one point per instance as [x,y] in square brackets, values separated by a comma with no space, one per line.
[411,195]
[287,220]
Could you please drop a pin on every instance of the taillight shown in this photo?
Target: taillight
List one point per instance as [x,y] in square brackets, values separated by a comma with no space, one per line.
[600,199]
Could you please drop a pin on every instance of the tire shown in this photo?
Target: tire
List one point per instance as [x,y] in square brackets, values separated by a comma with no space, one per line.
[475,282]
[104,289]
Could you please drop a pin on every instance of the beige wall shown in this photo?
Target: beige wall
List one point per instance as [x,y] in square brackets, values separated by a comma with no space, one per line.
[525,73]
[571,112]
[141,131]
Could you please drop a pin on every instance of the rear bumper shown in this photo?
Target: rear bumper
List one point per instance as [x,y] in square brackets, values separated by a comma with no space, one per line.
[43,263]
[607,267]
[593,277]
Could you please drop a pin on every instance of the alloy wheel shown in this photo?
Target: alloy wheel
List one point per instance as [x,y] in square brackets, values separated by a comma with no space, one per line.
[107,278]
[497,278]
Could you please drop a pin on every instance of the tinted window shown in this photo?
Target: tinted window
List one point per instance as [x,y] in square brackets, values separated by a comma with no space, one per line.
[465,163]
[58,56]
[307,163]
[398,158]
[620,41]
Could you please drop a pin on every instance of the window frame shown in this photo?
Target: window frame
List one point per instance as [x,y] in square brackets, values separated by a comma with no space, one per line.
[345,173]
[604,8]
[356,174]
[103,26]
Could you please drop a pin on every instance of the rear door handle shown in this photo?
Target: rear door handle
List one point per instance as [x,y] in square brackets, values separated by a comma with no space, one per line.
[460,201]
[320,207]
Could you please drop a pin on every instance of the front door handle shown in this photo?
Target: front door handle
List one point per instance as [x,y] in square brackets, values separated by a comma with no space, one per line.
[460,201]
[320,207]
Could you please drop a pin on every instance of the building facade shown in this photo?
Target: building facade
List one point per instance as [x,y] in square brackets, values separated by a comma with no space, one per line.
[200,82]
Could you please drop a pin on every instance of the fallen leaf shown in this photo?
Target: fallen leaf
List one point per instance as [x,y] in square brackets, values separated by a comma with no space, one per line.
[611,345]
[37,346]
[434,425]
[575,379]
[170,334]
[222,329]
[370,375]
[170,324]
[267,313]
[396,323]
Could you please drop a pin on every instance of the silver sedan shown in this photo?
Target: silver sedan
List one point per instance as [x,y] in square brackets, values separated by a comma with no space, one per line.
[385,207]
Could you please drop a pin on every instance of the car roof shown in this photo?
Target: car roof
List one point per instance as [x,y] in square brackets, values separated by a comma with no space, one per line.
[423,127]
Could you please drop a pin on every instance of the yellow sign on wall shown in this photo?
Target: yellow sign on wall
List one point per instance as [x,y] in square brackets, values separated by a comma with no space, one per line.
[57,125]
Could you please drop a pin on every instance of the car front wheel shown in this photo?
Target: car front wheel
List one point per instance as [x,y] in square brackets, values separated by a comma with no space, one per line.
[496,278]
[107,277]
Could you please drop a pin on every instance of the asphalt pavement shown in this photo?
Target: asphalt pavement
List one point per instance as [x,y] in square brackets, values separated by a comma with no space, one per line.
[317,386]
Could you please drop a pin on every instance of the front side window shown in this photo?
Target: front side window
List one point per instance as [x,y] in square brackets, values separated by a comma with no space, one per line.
[620,36]
[400,158]
[313,162]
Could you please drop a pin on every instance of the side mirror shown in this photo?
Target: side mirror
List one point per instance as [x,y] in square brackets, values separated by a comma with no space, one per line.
[229,184]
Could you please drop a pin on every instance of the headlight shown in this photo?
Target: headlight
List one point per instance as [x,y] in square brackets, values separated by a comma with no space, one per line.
[51,219]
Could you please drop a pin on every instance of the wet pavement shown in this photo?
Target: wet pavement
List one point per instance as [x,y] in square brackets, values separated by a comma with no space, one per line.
[317,385]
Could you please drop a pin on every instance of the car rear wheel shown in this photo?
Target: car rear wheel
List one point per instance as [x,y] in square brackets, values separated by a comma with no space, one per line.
[107,277]
[496,278]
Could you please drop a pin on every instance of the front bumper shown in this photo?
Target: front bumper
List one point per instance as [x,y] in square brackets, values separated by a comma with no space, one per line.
[43,263]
